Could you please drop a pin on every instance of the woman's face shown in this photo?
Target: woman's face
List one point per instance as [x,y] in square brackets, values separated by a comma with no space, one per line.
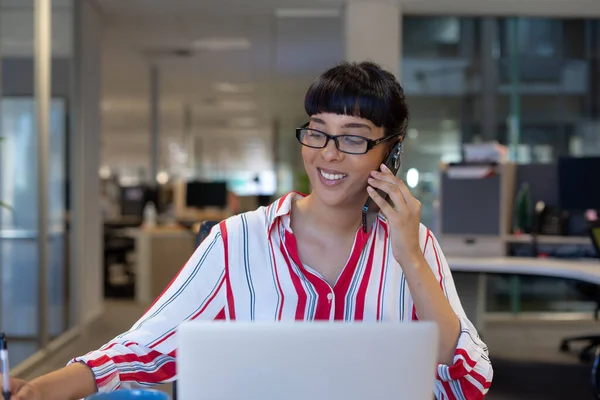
[338,178]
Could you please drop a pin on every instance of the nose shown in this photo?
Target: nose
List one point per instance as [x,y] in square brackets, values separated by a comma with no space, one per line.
[331,152]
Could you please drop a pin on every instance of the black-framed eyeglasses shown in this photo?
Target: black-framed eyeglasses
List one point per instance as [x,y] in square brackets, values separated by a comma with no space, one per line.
[349,144]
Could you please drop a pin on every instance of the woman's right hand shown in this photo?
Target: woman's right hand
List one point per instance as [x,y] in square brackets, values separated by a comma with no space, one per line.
[22,390]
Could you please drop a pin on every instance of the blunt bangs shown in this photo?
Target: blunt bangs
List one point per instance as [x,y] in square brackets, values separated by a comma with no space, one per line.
[361,90]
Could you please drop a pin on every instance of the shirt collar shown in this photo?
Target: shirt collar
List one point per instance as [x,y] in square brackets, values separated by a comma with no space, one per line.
[281,208]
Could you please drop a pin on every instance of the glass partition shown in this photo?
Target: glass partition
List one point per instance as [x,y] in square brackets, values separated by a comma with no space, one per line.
[20,311]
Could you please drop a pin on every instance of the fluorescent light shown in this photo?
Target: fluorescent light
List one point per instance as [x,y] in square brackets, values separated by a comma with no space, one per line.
[243,122]
[162,177]
[104,172]
[237,105]
[219,44]
[412,177]
[226,87]
[307,12]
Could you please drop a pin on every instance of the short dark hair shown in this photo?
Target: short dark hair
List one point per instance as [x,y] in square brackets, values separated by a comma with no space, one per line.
[362,90]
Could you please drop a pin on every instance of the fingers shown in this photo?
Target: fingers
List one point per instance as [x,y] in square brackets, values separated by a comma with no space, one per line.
[384,206]
[397,190]
[25,391]
[387,182]
[15,385]
[392,190]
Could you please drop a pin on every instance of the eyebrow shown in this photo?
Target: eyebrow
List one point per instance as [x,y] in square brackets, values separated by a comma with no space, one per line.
[348,125]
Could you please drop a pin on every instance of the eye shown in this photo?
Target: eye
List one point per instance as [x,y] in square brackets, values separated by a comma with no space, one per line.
[354,140]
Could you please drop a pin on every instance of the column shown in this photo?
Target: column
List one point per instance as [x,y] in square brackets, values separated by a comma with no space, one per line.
[43,37]
[489,78]
[154,123]
[85,144]
[373,31]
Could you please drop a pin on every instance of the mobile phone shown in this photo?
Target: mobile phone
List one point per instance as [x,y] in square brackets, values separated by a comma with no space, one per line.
[392,160]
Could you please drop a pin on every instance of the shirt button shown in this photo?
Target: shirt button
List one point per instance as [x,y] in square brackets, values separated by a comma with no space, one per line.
[329,296]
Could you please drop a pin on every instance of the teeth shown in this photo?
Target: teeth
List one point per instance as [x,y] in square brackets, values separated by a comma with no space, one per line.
[332,177]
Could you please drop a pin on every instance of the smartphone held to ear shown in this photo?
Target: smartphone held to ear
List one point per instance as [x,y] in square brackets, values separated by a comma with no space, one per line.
[370,210]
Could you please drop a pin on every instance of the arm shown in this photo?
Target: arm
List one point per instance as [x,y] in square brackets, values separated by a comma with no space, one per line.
[75,381]
[145,355]
[465,371]
[424,278]
[468,372]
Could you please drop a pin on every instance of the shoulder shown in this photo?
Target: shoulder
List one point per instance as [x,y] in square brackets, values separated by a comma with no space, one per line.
[257,221]
[251,220]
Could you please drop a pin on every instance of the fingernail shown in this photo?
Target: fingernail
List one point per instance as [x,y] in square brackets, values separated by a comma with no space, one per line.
[369,189]
[370,180]
[384,167]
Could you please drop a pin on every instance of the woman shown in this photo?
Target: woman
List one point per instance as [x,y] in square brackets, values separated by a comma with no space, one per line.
[307,257]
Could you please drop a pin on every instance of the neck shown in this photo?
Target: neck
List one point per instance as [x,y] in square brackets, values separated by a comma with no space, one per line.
[338,220]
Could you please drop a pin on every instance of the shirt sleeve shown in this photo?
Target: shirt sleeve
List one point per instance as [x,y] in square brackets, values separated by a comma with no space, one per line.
[145,354]
[470,375]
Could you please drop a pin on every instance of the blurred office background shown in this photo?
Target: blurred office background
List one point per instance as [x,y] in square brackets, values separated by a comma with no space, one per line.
[162,114]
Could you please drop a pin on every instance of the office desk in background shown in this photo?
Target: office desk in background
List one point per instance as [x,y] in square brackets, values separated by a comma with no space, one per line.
[160,253]
[472,288]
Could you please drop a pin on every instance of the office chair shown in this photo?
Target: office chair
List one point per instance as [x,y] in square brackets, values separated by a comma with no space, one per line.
[203,232]
[593,293]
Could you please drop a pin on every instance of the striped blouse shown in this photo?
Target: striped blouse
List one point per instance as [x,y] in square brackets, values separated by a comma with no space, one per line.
[248,268]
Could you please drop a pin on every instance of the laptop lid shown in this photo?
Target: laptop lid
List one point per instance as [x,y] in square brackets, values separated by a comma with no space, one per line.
[306,361]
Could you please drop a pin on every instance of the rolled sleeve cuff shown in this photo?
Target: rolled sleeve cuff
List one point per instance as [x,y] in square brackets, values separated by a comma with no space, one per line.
[469,351]
[103,368]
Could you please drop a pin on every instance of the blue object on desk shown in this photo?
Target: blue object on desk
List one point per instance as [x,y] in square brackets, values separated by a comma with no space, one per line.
[141,394]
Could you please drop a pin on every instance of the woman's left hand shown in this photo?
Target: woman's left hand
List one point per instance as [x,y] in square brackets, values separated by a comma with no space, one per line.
[404,217]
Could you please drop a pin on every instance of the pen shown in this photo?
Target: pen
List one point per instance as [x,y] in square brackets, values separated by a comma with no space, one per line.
[4,364]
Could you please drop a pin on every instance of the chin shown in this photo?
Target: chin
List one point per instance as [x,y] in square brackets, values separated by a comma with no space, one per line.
[337,197]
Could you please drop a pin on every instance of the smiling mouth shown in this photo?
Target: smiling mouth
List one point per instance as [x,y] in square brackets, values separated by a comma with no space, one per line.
[332,177]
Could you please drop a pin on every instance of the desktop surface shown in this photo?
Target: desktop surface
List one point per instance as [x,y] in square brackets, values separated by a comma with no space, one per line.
[306,361]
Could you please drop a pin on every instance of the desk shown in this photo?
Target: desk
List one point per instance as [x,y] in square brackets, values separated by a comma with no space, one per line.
[472,290]
[160,253]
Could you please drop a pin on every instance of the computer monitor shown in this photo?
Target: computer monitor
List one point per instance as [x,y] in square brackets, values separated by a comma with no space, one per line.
[132,201]
[206,194]
[578,188]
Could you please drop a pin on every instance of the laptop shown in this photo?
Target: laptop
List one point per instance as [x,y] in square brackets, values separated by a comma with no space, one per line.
[306,361]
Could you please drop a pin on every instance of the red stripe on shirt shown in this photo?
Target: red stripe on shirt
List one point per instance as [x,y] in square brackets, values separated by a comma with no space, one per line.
[470,391]
[359,310]
[166,372]
[383,269]
[279,290]
[216,292]
[321,287]
[437,259]
[167,288]
[342,286]
[221,315]
[281,202]
[448,389]
[426,241]
[230,302]
[302,297]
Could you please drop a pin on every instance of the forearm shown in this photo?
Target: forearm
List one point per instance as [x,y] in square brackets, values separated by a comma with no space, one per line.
[75,381]
[431,305]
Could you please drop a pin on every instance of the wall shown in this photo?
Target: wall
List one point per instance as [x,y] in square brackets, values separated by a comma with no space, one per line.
[87,252]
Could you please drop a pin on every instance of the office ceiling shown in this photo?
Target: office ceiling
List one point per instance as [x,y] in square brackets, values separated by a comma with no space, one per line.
[233,66]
